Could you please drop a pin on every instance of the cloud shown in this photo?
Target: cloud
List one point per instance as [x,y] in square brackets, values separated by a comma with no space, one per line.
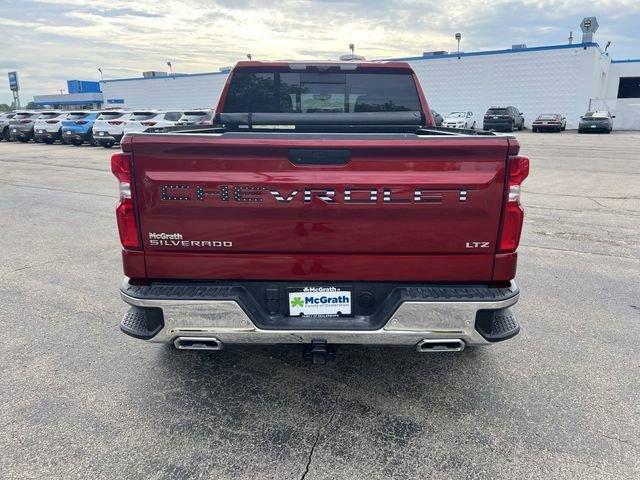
[68,39]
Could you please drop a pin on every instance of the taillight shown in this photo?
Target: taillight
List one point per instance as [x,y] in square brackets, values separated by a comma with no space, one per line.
[26,121]
[148,124]
[125,211]
[512,213]
[52,121]
[116,122]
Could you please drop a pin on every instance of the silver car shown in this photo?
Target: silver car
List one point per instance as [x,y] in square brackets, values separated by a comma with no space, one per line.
[4,125]
[598,121]
[21,125]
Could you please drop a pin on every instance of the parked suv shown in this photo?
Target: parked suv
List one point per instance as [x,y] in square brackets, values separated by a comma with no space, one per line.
[48,126]
[78,127]
[503,119]
[21,126]
[598,121]
[4,125]
[109,127]
[140,120]
[196,117]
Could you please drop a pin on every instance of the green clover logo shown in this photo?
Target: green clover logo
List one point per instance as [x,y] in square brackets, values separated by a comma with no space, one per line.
[297,302]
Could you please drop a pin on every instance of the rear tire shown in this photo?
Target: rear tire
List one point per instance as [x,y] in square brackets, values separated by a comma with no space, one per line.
[534,129]
[23,140]
[49,141]
[107,145]
[92,141]
[76,143]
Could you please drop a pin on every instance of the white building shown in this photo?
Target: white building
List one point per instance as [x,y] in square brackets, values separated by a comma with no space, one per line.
[568,79]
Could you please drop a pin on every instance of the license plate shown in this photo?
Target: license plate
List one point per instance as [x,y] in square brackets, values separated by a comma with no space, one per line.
[68,133]
[495,118]
[40,131]
[320,302]
[14,131]
[594,126]
[101,134]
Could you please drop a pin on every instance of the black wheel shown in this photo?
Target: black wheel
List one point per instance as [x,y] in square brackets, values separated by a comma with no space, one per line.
[512,127]
[92,141]
[76,143]
[23,140]
[534,129]
[49,141]
[107,145]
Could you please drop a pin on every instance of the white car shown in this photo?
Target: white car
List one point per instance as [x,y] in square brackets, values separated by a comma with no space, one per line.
[4,125]
[462,119]
[140,120]
[109,127]
[48,126]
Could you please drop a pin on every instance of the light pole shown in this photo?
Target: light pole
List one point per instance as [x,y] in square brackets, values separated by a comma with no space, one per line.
[249,56]
[101,76]
[458,38]
[170,68]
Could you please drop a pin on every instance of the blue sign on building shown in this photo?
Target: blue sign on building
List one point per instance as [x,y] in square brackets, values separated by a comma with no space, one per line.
[83,86]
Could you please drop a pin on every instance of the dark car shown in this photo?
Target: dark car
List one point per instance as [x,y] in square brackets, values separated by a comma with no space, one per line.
[598,121]
[504,119]
[437,118]
[553,122]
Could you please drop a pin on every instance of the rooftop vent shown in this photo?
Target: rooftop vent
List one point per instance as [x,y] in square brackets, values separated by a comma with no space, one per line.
[588,25]
[519,46]
[351,57]
[434,53]
[153,73]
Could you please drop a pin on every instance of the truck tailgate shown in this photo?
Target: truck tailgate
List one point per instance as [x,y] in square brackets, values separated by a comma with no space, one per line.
[319,207]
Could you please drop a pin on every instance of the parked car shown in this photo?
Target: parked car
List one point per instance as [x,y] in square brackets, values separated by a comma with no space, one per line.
[196,117]
[505,119]
[549,122]
[459,120]
[140,120]
[437,118]
[109,127]
[221,238]
[48,126]
[21,125]
[598,121]
[78,127]
[4,125]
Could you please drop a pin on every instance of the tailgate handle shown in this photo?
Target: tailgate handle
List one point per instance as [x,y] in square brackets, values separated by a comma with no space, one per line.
[319,157]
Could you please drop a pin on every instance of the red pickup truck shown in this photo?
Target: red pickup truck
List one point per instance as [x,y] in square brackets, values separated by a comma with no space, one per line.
[323,208]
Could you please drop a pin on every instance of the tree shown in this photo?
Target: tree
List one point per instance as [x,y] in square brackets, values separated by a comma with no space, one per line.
[4,107]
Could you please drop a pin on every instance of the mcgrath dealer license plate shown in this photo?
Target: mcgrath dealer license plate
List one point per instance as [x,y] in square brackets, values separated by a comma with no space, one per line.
[320,302]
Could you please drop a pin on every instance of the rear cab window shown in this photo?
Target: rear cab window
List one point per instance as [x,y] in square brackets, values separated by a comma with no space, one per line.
[279,90]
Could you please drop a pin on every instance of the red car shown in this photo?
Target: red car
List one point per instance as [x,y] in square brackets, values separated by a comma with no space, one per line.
[322,209]
[550,122]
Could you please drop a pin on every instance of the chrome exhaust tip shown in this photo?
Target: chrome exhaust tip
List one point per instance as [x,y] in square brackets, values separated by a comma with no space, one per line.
[436,345]
[197,343]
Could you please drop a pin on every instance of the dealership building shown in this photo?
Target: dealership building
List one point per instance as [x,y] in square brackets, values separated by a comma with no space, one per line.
[569,79]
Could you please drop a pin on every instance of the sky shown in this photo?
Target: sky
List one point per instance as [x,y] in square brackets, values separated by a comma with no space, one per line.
[51,41]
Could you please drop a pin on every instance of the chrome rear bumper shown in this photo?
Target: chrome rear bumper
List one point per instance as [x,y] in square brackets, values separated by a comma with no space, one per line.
[411,323]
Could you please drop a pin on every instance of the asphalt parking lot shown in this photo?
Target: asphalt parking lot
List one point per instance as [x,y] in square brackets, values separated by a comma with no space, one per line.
[78,399]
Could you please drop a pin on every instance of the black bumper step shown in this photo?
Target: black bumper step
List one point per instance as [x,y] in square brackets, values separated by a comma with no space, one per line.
[497,325]
[143,323]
